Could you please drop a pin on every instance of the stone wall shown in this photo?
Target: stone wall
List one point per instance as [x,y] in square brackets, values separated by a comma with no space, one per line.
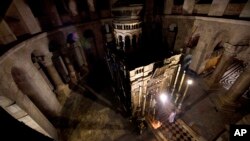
[18,113]
[211,31]
[139,78]
[22,83]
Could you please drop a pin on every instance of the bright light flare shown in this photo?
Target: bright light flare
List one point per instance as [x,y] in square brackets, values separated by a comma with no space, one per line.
[156,124]
[163,97]
[189,82]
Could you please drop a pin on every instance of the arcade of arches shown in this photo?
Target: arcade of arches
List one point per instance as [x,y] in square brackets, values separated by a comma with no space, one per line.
[64,63]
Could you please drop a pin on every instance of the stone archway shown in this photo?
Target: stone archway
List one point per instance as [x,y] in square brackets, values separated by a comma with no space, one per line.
[214,51]
[213,59]
[127,43]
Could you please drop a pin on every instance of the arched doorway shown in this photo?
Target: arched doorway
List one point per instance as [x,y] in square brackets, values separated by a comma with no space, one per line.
[134,41]
[127,43]
[120,41]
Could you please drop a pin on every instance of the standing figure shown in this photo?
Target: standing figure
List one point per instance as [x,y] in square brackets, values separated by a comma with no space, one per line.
[171,117]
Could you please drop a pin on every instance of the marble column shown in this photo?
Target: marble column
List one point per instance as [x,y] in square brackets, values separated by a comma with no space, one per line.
[168,5]
[62,90]
[245,13]
[229,101]
[218,7]
[7,35]
[27,16]
[225,60]
[188,6]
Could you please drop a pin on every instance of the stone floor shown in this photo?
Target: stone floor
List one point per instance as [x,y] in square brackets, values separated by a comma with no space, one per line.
[200,113]
[88,118]
[92,114]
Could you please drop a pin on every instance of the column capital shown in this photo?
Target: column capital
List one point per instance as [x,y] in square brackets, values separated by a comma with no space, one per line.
[46,61]
[229,49]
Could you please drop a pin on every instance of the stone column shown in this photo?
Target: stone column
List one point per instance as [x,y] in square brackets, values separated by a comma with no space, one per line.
[73,7]
[81,60]
[246,10]
[225,60]
[25,103]
[188,6]
[92,10]
[67,55]
[51,11]
[168,5]
[91,5]
[70,67]
[108,34]
[138,40]
[228,101]
[31,83]
[6,35]
[62,90]
[77,54]
[85,63]
[27,16]
[131,43]
[123,43]
[218,7]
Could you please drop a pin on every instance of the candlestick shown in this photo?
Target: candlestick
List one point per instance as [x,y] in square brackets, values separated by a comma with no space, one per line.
[139,99]
[107,28]
[175,80]
[144,105]
[179,89]
[189,82]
